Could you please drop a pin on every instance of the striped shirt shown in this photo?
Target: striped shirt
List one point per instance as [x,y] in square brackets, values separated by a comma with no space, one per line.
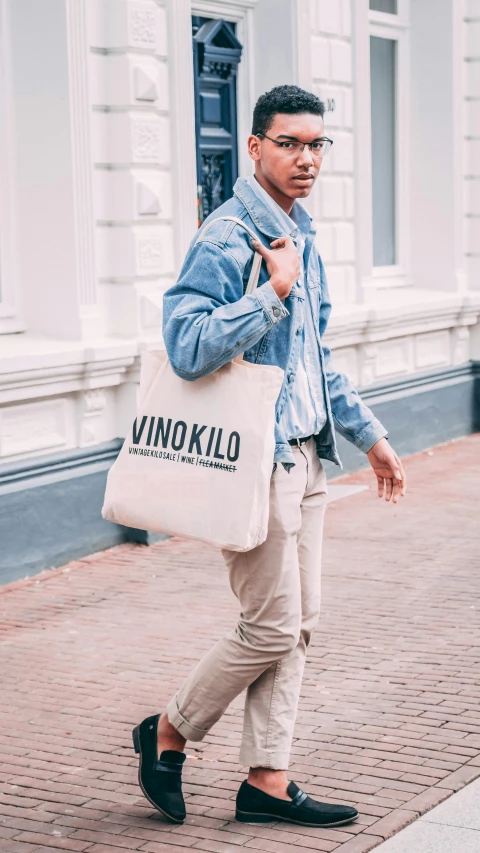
[305,410]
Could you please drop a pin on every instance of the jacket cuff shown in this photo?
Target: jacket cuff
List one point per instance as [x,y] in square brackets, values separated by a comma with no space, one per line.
[273,307]
[370,435]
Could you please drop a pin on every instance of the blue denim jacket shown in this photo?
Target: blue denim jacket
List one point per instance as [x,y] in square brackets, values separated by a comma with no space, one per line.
[208,320]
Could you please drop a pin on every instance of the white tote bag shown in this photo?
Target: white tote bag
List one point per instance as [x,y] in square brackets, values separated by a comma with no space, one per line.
[198,460]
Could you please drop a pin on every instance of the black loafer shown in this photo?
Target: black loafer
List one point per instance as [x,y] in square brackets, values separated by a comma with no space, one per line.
[254,806]
[159,778]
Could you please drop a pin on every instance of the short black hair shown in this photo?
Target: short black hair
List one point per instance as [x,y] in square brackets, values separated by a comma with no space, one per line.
[283,99]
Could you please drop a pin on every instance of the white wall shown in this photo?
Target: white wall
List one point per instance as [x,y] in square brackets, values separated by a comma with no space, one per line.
[333,196]
[471,129]
[381,332]
[434,127]
[44,167]
[106,185]
[132,157]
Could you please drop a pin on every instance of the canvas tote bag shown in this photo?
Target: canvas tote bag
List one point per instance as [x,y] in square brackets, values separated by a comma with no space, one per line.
[198,459]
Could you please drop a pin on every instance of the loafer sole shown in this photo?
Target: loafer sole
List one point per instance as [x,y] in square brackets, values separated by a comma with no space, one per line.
[138,750]
[253,817]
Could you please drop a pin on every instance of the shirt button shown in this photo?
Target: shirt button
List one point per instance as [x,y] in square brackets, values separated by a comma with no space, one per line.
[291,377]
[299,330]
[276,311]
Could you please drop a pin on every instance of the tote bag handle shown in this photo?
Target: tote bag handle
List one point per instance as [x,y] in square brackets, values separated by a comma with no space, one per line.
[257,260]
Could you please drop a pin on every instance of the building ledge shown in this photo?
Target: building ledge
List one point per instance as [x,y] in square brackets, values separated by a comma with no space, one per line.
[34,365]
[396,313]
[29,363]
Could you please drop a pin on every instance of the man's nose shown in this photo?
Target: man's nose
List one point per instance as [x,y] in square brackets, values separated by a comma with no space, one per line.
[305,157]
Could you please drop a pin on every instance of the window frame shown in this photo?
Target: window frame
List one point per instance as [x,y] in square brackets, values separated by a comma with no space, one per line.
[10,314]
[239,12]
[396,28]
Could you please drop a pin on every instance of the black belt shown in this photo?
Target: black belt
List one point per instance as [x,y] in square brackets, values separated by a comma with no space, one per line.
[296,442]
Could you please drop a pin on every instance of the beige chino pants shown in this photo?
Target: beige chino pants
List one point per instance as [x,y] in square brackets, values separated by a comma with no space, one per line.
[278,587]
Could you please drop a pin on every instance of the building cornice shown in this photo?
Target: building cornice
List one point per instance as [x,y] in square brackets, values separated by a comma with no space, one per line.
[33,366]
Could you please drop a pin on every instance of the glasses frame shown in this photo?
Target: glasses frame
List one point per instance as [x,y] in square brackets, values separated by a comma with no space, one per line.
[280,143]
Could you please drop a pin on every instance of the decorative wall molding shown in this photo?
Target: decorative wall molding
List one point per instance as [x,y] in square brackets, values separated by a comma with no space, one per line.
[461,348]
[148,199]
[34,371]
[129,252]
[433,349]
[123,81]
[222,8]
[146,141]
[123,25]
[142,24]
[93,404]
[419,382]
[404,336]
[337,62]
[145,86]
[182,122]
[150,253]
[81,152]
[32,367]
[56,467]
[413,312]
[33,427]
[94,401]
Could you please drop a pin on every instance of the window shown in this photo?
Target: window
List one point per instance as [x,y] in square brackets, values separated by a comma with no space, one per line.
[216,55]
[383,100]
[389,6]
[388,27]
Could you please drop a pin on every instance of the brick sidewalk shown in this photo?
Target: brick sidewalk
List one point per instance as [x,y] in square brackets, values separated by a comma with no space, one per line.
[389,718]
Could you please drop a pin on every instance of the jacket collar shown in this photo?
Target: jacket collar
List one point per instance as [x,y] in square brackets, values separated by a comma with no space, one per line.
[261,216]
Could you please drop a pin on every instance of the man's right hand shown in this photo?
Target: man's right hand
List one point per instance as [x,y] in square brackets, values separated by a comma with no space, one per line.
[283,264]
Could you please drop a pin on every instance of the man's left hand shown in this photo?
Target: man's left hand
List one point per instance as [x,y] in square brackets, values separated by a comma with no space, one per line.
[391,478]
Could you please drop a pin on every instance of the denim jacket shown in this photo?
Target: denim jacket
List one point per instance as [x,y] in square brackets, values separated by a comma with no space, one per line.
[208,320]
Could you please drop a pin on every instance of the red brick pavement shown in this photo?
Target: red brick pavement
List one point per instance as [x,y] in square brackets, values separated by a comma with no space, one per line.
[389,717]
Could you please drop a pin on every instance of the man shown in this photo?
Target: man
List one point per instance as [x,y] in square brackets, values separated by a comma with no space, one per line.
[207,322]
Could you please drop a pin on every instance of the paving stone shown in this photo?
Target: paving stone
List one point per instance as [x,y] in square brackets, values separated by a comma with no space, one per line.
[461,810]
[459,778]
[360,844]
[430,798]
[396,820]
[432,838]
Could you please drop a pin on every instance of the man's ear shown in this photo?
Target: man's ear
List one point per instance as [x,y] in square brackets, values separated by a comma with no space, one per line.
[254,147]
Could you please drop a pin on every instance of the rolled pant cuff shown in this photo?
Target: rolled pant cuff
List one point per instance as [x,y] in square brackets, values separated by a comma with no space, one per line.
[182,725]
[252,756]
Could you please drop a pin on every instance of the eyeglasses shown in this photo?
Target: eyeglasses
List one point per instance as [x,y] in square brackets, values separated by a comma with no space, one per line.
[319,148]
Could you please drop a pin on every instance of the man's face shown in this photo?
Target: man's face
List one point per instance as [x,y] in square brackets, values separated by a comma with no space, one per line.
[291,173]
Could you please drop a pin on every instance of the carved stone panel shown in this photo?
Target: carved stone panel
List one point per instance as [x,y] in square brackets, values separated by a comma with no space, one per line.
[394,357]
[145,85]
[92,406]
[142,24]
[461,345]
[148,199]
[150,253]
[368,370]
[432,349]
[33,427]
[146,141]
[345,359]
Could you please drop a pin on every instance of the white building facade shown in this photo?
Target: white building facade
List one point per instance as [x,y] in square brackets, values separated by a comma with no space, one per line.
[99,175]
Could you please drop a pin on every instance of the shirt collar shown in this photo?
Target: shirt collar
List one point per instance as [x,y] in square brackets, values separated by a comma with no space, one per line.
[298,224]
[263,214]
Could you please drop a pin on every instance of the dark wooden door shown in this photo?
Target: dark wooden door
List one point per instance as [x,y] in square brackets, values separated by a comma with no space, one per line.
[216,54]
